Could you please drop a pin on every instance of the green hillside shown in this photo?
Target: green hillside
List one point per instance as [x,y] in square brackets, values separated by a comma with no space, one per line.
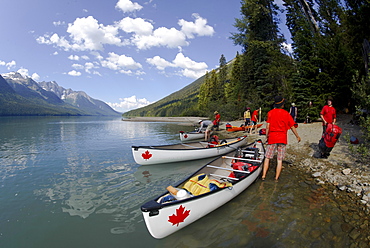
[179,103]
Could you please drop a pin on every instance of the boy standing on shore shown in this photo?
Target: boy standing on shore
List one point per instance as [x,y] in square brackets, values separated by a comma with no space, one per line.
[279,121]
[328,114]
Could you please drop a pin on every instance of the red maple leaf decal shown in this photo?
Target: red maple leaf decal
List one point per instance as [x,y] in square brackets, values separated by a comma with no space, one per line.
[179,217]
[185,136]
[146,155]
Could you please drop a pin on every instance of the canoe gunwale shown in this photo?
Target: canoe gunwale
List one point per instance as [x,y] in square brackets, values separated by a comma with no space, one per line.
[166,147]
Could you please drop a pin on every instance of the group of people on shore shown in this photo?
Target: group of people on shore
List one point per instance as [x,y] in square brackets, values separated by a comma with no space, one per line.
[278,122]
[250,121]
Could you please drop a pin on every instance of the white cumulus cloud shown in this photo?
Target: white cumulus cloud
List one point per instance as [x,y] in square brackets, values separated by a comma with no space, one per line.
[25,73]
[188,67]
[144,36]
[120,63]
[86,34]
[159,63]
[78,66]
[74,73]
[199,27]
[135,25]
[8,65]
[90,35]
[128,6]
[129,103]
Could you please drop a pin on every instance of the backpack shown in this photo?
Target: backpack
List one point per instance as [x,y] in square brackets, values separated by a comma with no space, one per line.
[213,141]
[262,131]
[242,167]
[331,135]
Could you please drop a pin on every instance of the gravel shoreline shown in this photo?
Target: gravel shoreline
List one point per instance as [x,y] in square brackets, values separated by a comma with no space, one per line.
[343,175]
[342,169]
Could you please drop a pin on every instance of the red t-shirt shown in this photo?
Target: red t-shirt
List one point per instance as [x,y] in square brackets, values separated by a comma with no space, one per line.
[280,122]
[329,114]
[254,115]
[217,119]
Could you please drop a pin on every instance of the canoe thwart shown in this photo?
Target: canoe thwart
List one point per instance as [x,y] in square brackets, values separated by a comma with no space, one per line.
[232,178]
[244,159]
[222,168]
[251,152]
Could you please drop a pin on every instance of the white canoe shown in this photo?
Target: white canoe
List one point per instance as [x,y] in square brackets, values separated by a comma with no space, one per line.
[185,136]
[163,217]
[146,155]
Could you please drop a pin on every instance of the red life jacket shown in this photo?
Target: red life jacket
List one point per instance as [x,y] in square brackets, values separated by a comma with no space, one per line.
[243,167]
[213,141]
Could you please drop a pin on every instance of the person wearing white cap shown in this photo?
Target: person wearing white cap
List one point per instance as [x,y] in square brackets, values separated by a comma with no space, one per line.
[209,127]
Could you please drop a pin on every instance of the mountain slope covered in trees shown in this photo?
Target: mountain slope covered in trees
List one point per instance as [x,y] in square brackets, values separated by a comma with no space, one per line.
[12,103]
[180,103]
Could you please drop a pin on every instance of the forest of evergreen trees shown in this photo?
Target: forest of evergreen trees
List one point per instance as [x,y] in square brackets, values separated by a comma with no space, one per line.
[329,57]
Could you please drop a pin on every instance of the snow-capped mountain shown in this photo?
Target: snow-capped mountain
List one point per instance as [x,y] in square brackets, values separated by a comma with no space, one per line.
[79,99]
[50,93]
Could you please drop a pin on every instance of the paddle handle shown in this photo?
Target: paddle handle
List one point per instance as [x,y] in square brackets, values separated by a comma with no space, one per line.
[172,190]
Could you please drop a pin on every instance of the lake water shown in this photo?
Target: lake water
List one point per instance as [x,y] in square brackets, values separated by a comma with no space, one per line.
[72,182]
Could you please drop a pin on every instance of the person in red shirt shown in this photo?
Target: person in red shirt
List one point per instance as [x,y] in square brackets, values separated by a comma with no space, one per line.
[279,121]
[216,121]
[328,114]
[254,120]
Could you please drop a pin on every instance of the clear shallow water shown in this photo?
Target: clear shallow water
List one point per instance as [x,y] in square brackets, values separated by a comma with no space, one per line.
[72,182]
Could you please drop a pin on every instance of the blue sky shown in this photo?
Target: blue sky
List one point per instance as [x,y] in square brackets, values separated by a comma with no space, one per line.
[126,53]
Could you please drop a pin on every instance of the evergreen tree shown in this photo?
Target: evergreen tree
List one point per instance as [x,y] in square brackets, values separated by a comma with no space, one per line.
[214,87]
[357,23]
[204,93]
[222,78]
[260,39]
[301,21]
[232,87]
[336,62]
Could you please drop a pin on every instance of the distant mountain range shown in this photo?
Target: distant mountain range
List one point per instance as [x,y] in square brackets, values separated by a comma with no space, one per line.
[23,96]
